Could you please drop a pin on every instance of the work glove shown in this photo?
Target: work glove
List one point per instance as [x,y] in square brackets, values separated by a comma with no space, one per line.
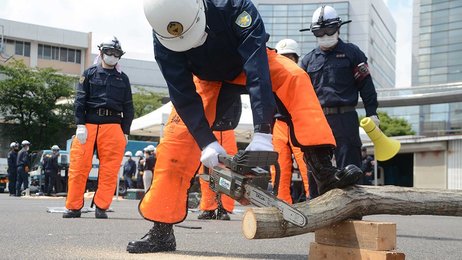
[261,142]
[375,119]
[209,156]
[81,134]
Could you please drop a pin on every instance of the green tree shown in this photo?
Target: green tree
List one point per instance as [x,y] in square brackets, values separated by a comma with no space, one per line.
[145,102]
[394,126]
[29,104]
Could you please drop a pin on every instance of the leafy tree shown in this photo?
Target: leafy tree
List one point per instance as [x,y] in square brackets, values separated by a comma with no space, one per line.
[394,126]
[145,102]
[29,104]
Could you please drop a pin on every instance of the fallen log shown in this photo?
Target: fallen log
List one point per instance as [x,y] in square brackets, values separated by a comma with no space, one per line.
[352,202]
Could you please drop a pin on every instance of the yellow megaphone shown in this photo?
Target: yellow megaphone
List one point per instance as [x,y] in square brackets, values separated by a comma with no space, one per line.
[385,147]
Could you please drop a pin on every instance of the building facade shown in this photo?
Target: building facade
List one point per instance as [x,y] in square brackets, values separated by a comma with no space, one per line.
[42,47]
[372,29]
[436,42]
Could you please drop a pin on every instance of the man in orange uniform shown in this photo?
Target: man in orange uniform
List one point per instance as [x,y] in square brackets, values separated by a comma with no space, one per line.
[210,52]
[282,143]
[103,115]
[211,201]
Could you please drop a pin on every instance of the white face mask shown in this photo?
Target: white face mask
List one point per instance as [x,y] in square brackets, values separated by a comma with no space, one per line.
[110,60]
[327,41]
[201,40]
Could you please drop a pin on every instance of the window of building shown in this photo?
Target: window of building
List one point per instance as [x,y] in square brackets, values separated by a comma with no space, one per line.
[20,47]
[48,52]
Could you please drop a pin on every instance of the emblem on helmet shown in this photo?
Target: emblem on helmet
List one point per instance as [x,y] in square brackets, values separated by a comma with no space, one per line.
[175,28]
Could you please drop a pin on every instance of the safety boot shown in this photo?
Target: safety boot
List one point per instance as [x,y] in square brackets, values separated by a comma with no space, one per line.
[70,213]
[207,214]
[100,213]
[159,239]
[328,177]
[222,214]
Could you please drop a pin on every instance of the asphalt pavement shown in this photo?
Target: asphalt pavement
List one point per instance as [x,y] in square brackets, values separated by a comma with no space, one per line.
[28,231]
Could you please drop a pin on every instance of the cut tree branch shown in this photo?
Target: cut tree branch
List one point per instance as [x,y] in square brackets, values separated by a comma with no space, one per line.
[352,202]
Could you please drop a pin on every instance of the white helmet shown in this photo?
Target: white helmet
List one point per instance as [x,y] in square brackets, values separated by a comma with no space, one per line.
[178,24]
[13,144]
[287,46]
[128,154]
[25,142]
[151,148]
[112,44]
[55,147]
[139,153]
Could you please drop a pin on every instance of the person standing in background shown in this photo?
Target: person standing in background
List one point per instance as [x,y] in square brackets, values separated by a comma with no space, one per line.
[12,168]
[338,73]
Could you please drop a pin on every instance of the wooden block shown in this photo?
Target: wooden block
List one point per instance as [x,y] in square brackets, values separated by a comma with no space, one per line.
[326,252]
[359,234]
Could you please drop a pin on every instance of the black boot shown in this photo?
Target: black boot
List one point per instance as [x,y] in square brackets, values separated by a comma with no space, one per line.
[72,213]
[327,176]
[100,213]
[222,214]
[159,239]
[207,214]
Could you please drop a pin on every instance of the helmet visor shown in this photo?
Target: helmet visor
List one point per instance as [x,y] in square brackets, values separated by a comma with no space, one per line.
[320,31]
[113,52]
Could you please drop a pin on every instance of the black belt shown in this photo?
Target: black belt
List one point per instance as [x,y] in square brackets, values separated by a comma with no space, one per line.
[337,110]
[105,112]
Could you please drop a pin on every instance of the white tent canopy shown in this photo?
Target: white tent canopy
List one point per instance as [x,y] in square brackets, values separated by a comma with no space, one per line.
[152,124]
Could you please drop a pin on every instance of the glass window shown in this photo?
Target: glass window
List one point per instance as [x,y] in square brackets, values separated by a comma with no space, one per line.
[47,52]
[71,55]
[40,51]
[27,49]
[19,48]
[55,53]
[78,54]
[265,7]
[63,54]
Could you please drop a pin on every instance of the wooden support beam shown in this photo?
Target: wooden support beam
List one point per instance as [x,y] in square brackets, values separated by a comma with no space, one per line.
[359,234]
[352,202]
[326,252]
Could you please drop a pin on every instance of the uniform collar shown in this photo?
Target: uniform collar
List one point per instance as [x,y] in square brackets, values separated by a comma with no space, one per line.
[100,69]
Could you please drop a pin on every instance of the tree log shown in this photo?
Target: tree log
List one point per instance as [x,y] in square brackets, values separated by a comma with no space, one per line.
[352,202]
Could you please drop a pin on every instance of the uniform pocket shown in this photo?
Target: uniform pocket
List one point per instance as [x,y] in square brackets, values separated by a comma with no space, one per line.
[97,88]
[116,90]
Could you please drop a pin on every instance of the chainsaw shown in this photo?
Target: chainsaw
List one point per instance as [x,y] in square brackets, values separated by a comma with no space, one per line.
[242,177]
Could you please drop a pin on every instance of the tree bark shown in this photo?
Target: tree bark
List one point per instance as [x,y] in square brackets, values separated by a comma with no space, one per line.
[352,202]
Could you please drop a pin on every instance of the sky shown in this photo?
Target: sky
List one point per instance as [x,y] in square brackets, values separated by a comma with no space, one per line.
[125,19]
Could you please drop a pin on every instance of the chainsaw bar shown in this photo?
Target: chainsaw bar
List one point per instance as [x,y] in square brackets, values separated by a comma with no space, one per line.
[261,198]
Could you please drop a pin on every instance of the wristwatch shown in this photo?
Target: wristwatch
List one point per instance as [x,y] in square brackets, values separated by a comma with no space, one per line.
[262,128]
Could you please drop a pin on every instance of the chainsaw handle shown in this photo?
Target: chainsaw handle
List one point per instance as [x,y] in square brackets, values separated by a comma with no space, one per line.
[223,158]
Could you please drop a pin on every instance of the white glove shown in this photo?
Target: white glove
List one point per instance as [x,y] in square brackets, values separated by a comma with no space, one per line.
[81,134]
[261,142]
[126,138]
[209,156]
[375,119]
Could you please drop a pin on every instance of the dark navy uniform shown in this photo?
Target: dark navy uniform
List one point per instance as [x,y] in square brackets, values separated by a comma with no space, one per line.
[51,167]
[338,76]
[129,170]
[104,96]
[12,171]
[228,50]
[104,105]
[23,166]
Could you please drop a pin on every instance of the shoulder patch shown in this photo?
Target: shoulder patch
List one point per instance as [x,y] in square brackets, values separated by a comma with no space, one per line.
[82,79]
[244,20]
